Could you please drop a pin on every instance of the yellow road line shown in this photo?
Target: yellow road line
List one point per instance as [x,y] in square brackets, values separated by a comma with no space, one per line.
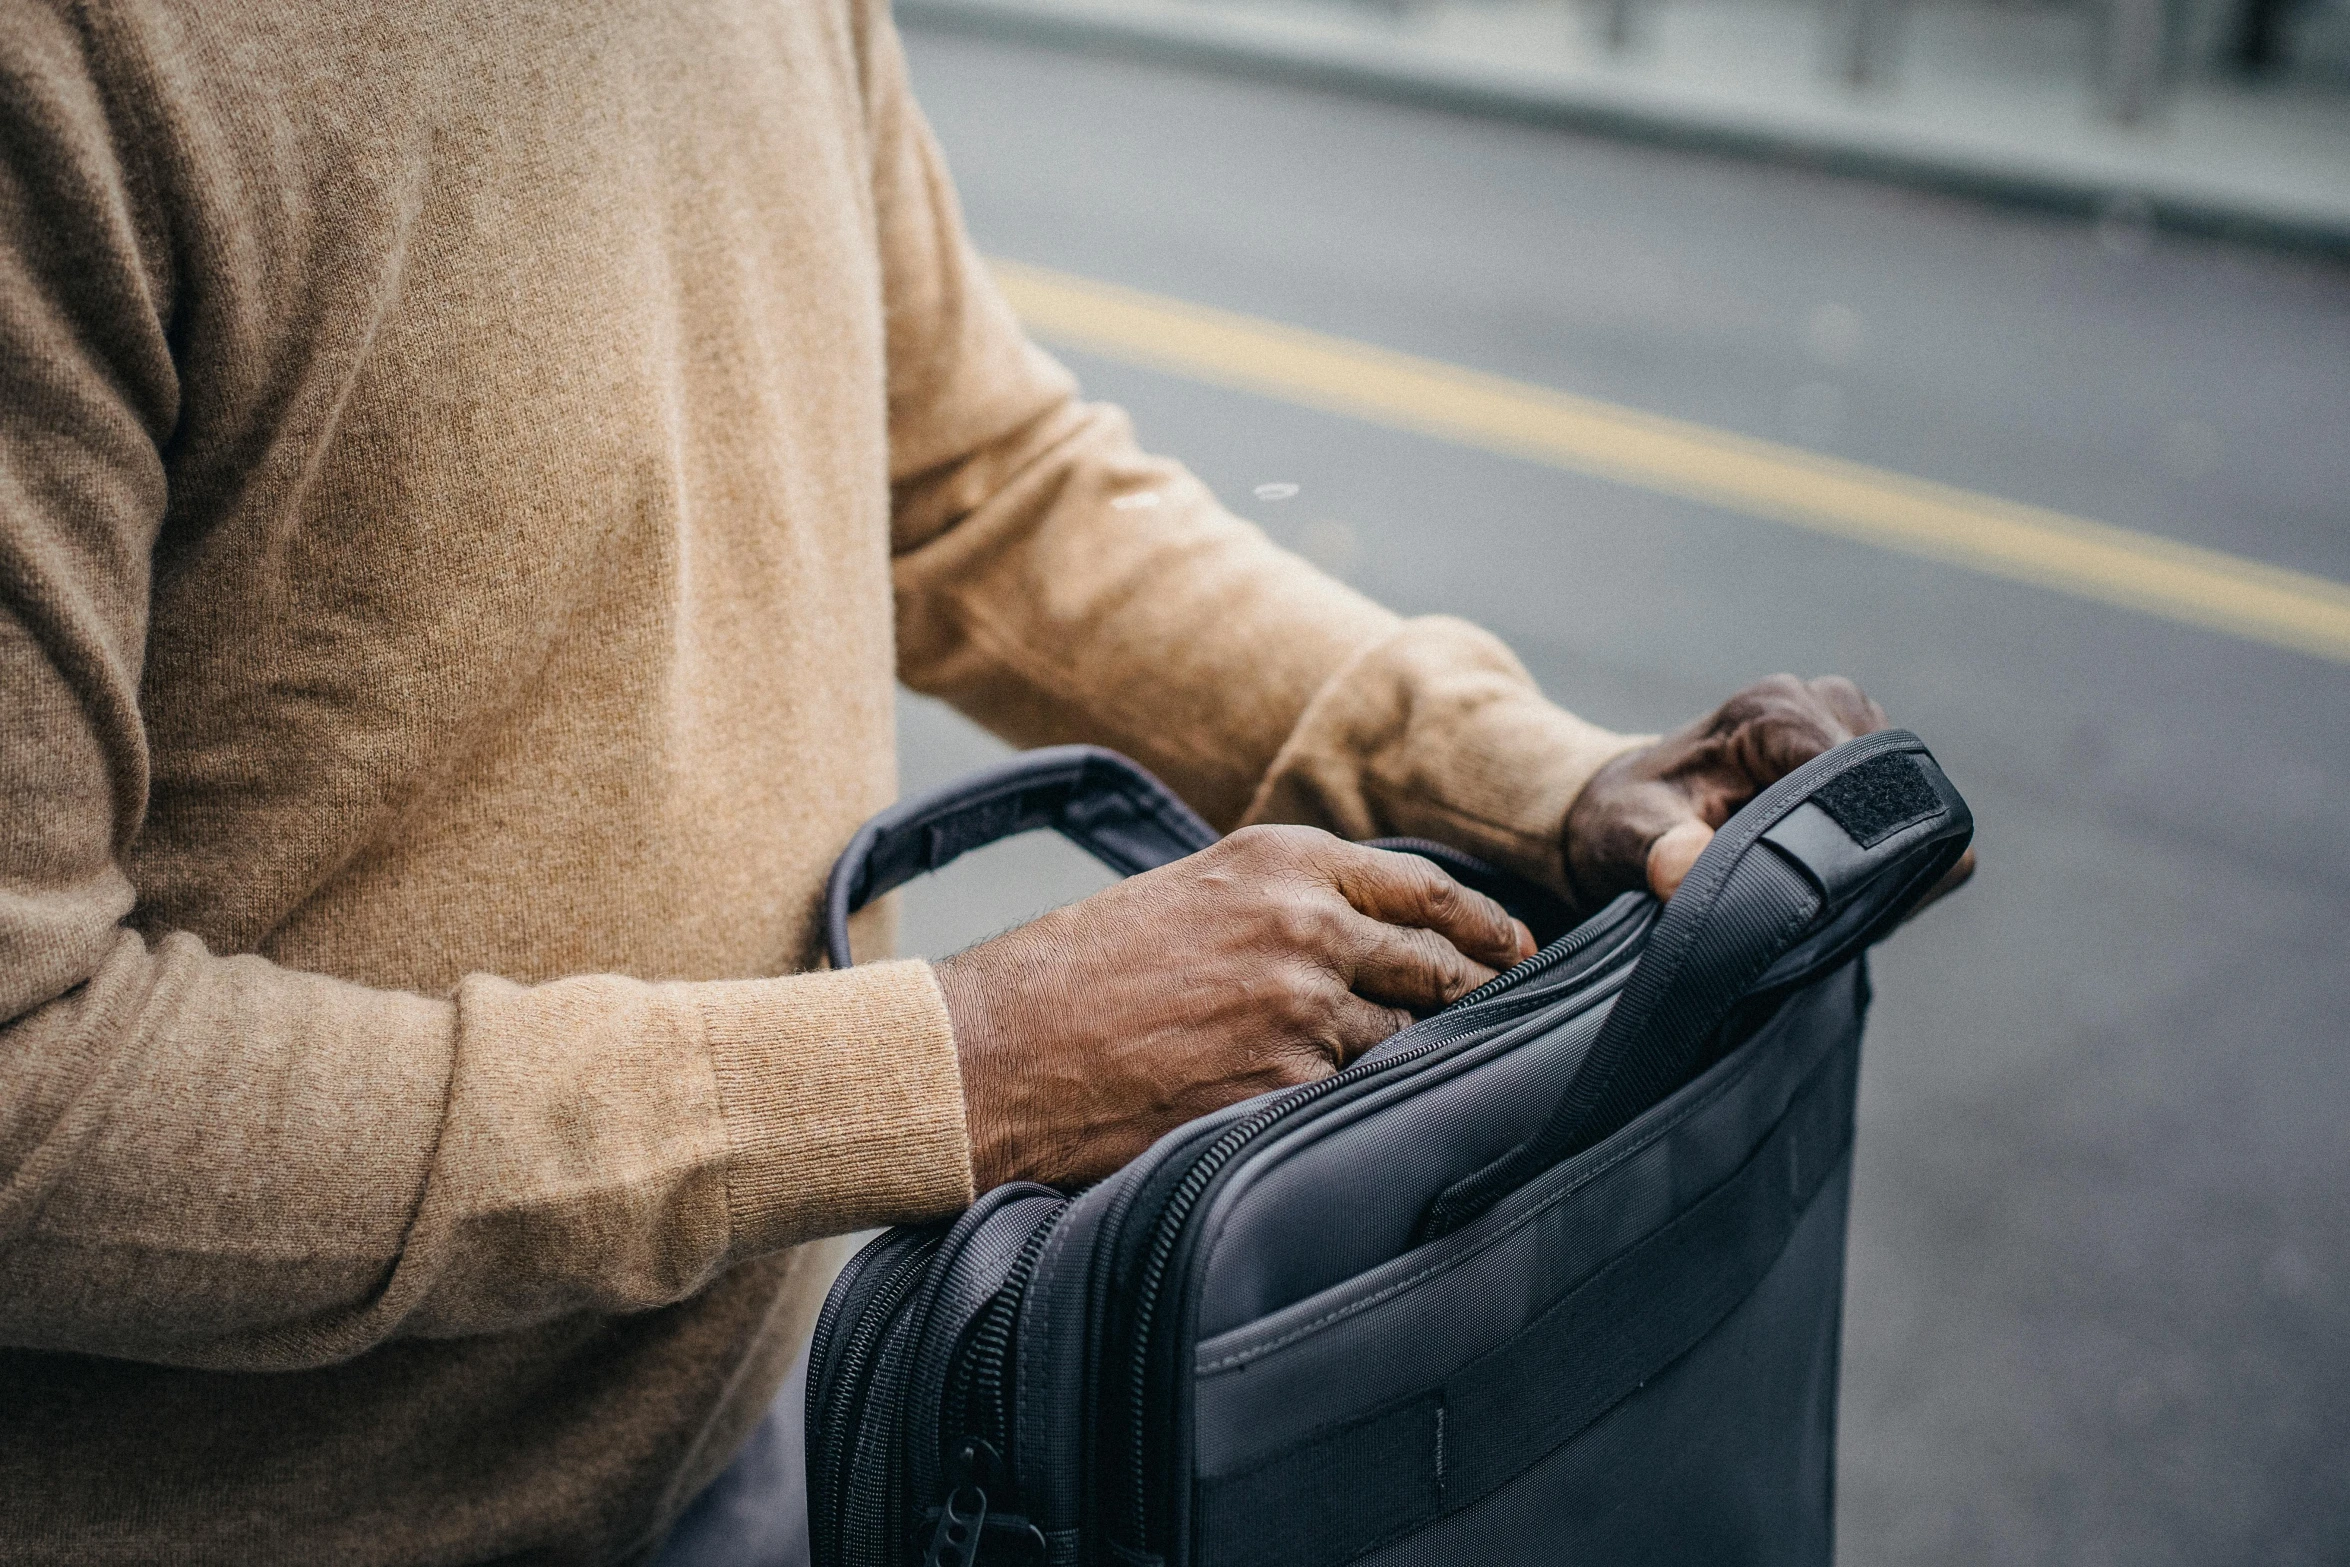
[2271,604]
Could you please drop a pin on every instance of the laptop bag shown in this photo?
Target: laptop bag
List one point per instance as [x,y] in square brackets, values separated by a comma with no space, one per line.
[1552,1275]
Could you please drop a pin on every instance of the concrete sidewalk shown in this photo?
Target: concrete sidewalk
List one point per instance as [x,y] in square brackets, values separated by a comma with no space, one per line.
[1995,102]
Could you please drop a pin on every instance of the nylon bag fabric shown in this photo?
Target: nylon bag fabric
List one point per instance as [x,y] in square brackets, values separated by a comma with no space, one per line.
[1552,1275]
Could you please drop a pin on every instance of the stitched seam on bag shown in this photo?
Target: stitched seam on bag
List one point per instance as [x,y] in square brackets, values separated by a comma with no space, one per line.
[1173,822]
[1056,1245]
[1351,1308]
[1440,1452]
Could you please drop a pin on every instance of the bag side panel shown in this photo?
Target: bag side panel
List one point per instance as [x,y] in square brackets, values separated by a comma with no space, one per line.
[970,1268]
[1344,1190]
[1051,1375]
[1727,1456]
[1415,1319]
[1375,1409]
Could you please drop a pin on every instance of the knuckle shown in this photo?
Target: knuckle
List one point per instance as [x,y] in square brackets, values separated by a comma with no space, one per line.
[1251,845]
[1761,701]
[1303,1066]
[1299,999]
[1495,921]
[1845,699]
[1278,842]
[1442,899]
[1796,701]
[1454,978]
[1301,922]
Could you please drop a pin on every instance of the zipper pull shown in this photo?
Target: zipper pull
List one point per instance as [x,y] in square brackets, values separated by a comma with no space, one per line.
[963,1520]
[955,1542]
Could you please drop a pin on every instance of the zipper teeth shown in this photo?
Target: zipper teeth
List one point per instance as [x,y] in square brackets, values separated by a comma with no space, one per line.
[825,1458]
[1542,962]
[1177,1211]
[1170,1231]
[991,1344]
[873,1324]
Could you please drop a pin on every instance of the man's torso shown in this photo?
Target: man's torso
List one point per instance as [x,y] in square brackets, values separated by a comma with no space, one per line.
[522,605]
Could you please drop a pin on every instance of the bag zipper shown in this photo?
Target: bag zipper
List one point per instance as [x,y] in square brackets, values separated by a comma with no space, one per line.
[824,1458]
[991,1341]
[1176,1211]
[981,1455]
[858,1358]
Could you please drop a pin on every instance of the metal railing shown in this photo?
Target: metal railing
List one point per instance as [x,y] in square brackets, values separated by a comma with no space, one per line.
[2137,60]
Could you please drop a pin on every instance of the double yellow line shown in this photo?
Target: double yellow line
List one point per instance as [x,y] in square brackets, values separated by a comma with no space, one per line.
[2093,560]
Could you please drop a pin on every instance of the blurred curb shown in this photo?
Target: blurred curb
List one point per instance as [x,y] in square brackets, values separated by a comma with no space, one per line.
[2119,182]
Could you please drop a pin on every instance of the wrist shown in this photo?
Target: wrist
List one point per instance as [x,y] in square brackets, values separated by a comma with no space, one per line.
[1589,839]
[973,1014]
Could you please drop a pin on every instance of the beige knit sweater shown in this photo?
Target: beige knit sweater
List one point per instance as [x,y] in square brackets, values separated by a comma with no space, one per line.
[469,475]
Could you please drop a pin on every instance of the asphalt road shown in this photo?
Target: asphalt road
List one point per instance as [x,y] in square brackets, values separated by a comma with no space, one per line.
[2099,1306]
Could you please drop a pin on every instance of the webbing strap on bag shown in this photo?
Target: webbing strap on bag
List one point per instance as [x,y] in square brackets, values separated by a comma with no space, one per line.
[1096,799]
[1806,875]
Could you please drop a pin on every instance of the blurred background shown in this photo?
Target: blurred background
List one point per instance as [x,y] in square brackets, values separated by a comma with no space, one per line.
[2007,349]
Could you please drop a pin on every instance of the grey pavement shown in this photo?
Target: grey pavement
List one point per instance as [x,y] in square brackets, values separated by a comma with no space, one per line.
[2013,100]
[2099,1307]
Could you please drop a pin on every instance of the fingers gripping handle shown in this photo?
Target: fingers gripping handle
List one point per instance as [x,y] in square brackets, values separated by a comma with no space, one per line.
[1817,867]
[1814,869]
[1097,799]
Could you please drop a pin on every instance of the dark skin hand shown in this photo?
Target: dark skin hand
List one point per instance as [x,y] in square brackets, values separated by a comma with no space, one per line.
[1270,959]
[1282,953]
[1644,818]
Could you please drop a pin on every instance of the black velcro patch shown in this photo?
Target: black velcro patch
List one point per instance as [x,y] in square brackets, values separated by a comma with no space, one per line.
[1878,798]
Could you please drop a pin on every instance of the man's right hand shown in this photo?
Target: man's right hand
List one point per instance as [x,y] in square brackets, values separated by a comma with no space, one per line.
[1270,959]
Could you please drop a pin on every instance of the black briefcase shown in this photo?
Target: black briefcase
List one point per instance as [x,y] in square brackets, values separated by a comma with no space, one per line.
[1553,1275]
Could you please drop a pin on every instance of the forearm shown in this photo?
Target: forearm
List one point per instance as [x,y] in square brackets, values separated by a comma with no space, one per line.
[217,1162]
[1263,690]
[1437,731]
[1058,583]
[1172,631]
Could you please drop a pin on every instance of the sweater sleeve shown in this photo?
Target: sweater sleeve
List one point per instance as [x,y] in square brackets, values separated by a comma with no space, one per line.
[1056,583]
[210,1160]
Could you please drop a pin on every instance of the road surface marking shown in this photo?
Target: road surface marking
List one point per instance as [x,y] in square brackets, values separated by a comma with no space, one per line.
[2094,560]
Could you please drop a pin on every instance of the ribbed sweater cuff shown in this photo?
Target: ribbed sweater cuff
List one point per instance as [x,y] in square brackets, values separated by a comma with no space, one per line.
[1437,731]
[842,1099]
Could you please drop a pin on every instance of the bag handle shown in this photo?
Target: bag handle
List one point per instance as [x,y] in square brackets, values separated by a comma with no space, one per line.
[1813,870]
[1108,806]
[1097,799]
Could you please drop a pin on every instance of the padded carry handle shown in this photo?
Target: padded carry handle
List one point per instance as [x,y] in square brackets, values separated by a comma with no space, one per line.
[1107,806]
[1814,869]
[1096,799]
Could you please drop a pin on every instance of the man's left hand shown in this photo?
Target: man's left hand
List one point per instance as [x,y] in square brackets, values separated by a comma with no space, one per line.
[1644,818]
